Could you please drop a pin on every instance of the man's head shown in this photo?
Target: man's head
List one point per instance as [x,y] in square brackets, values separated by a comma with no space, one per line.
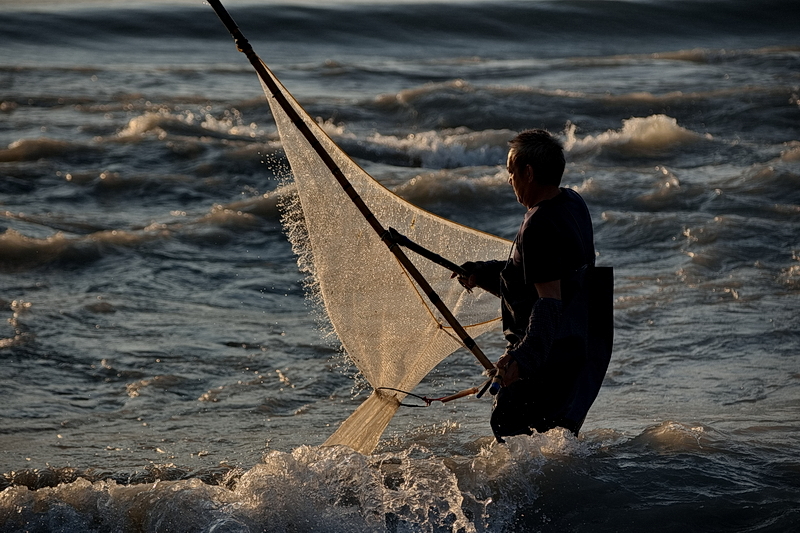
[542,152]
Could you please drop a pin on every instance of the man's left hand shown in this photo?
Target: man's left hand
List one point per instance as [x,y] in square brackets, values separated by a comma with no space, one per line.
[510,369]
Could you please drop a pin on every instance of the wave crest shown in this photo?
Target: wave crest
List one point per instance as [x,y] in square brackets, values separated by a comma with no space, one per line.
[190,124]
[33,149]
[328,489]
[639,136]
[20,252]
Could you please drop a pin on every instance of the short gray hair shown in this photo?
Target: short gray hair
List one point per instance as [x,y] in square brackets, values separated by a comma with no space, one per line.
[543,152]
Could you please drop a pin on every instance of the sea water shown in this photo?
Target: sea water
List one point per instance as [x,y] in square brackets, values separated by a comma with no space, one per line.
[161,369]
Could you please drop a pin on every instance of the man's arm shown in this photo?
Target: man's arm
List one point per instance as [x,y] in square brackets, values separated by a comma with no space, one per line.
[532,351]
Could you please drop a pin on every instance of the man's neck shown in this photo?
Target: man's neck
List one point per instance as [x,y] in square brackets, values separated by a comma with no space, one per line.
[540,194]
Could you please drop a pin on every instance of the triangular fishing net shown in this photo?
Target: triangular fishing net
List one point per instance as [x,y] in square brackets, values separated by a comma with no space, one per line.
[386,325]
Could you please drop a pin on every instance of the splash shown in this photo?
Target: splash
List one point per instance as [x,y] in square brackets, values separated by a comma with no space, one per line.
[790,276]
[21,334]
[328,489]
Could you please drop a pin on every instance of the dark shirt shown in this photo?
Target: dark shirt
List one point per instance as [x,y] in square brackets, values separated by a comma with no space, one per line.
[560,381]
[554,240]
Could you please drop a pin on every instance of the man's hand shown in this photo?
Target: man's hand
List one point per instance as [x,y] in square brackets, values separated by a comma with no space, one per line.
[510,369]
[468,281]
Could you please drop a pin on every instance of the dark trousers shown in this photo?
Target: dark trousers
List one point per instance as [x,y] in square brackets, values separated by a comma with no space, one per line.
[525,406]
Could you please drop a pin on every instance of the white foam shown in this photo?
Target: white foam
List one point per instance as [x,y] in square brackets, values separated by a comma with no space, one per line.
[674,437]
[451,186]
[449,148]
[792,152]
[458,147]
[791,276]
[330,489]
[637,136]
[188,123]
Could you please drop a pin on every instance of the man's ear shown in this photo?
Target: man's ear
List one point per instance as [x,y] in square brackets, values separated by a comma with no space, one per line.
[529,172]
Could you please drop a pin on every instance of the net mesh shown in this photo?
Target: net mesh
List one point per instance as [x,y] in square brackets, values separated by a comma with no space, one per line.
[385,323]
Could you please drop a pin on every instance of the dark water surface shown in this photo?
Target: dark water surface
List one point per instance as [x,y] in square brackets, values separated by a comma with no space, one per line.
[162,371]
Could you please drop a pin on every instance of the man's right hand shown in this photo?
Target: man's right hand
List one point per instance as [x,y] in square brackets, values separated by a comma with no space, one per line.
[468,281]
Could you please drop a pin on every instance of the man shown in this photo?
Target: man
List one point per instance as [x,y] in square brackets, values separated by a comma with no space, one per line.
[550,374]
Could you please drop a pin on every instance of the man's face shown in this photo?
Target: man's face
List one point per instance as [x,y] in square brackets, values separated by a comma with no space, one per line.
[517,178]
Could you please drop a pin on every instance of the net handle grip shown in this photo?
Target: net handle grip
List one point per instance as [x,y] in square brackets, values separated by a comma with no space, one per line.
[405,242]
[456,396]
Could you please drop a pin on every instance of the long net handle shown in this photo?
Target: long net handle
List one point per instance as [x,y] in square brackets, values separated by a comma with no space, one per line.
[244,46]
[405,242]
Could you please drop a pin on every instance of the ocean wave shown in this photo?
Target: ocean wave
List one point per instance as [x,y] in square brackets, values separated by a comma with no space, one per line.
[188,123]
[327,489]
[692,55]
[20,252]
[672,437]
[639,136]
[464,90]
[677,97]
[42,148]
[56,222]
[77,241]
[520,486]
[226,217]
[774,185]
[669,193]
[346,22]
[448,148]
[266,205]
[437,149]
[462,189]
[792,152]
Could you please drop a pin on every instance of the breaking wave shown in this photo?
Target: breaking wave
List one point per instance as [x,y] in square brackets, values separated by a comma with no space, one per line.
[521,486]
[327,489]
[638,136]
